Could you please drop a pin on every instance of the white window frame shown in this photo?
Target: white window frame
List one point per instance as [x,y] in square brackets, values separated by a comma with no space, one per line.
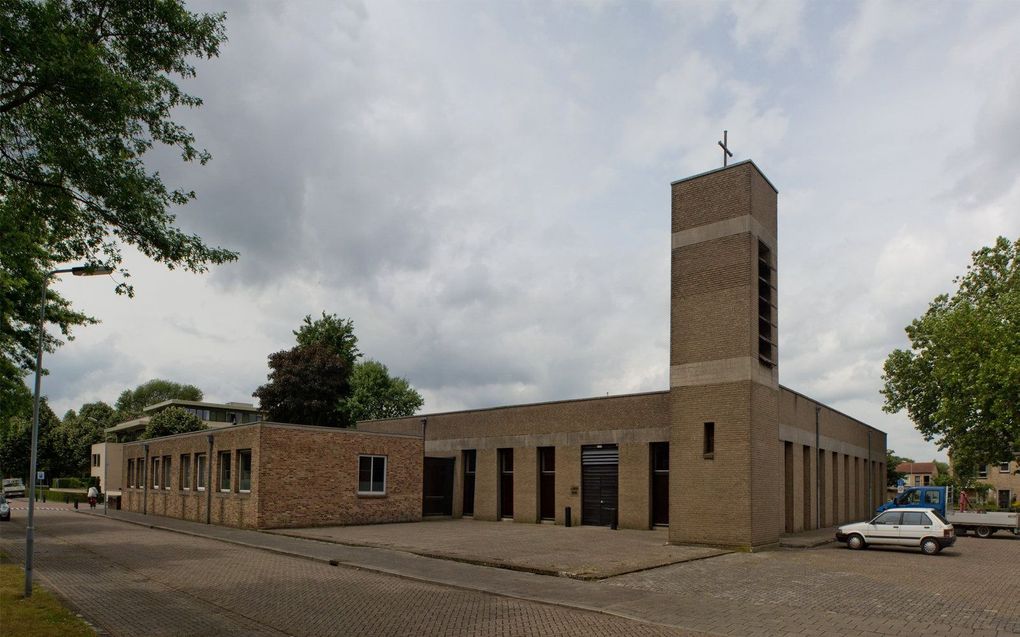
[371,473]
[983,471]
[185,470]
[199,458]
[219,472]
[240,452]
[168,475]
[1004,467]
[156,471]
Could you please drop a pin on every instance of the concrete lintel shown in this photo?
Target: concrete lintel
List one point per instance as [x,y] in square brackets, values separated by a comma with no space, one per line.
[725,370]
[789,433]
[724,228]
[561,439]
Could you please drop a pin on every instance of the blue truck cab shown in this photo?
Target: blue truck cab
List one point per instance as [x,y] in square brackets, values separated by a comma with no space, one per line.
[919,498]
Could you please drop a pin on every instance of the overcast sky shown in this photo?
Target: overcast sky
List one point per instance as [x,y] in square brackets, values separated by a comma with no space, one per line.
[484,190]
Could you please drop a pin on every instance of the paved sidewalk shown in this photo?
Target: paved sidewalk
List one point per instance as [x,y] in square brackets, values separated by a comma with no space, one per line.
[967,590]
[585,552]
[130,580]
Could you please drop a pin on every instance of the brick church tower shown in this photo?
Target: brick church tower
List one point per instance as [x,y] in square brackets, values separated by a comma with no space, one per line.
[726,468]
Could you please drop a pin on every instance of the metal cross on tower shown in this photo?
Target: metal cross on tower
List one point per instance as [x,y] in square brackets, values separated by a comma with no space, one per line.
[725,151]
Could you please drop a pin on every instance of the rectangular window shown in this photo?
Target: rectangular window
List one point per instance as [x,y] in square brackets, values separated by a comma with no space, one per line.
[166,472]
[224,461]
[917,481]
[201,471]
[140,475]
[155,473]
[927,480]
[371,475]
[470,459]
[709,450]
[244,470]
[95,460]
[1003,467]
[131,472]
[186,472]
[983,471]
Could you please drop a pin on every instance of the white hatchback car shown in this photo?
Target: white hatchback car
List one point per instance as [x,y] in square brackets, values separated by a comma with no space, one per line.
[901,527]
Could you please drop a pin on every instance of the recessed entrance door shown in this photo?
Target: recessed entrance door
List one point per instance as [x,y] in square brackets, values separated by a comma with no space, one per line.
[547,479]
[506,483]
[1003,498]
[660,483]
[437,487]
[599,483]
[470,457]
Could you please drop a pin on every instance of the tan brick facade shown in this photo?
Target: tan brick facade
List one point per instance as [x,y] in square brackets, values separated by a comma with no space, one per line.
[764,477]
[300,476]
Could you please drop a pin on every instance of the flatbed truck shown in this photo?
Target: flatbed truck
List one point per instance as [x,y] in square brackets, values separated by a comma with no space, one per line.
[982,523]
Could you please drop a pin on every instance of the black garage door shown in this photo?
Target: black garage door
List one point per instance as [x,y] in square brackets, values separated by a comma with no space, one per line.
[599,479]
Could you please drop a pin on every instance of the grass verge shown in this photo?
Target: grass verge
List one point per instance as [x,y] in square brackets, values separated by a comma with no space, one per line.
[40,616]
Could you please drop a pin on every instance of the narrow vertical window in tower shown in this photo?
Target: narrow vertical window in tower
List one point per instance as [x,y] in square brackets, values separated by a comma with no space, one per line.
[765,304]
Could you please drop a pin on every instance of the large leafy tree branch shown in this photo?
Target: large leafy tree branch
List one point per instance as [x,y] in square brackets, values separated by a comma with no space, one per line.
[87,87]
[960,379]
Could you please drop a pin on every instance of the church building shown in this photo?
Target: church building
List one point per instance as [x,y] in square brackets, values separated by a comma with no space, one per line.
[726,456]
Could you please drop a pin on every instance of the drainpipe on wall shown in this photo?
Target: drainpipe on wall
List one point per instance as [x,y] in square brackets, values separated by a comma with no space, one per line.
[818,472]
[145,481]
[208,482]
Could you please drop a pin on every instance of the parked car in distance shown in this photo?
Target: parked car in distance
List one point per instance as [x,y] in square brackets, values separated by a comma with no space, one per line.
[5,510]
[14,488]
[925,528]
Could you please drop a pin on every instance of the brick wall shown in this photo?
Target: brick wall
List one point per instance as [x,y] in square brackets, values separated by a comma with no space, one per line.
[300,476]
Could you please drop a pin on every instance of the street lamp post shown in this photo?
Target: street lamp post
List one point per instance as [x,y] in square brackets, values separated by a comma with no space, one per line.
[83,270]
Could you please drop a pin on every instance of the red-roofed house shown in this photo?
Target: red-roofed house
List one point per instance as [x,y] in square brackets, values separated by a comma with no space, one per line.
[918,474]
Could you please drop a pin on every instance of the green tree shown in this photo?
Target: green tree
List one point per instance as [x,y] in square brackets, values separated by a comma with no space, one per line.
[16,445]
[131,402]
[891,462]
[376,394]
[170,421]
[79,431]
[332,331]
[306,385]
[960,380]
[87,88]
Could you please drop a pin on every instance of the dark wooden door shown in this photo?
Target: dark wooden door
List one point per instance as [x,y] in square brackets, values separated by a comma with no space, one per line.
[470,458]
[660,483]
[506,483]
[547,488]
[1003,498]
[599,484]
[437,487]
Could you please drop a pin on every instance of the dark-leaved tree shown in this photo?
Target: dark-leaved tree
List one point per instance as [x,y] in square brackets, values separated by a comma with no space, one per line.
[305,386]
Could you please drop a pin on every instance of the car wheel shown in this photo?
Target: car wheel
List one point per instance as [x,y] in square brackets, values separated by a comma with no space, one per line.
[855,542]
[984,531]
[930,546]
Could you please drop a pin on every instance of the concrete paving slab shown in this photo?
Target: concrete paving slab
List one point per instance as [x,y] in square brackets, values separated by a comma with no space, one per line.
[585,553]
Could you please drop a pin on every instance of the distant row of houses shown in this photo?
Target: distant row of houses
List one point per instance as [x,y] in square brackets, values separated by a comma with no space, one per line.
[1003,477]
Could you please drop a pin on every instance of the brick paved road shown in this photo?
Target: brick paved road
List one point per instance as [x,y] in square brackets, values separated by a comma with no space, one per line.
[970,589]
[132,580]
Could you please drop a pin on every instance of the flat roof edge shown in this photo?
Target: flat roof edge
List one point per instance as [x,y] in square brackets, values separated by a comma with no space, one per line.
[538,404]
[722,168]
[841,413]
